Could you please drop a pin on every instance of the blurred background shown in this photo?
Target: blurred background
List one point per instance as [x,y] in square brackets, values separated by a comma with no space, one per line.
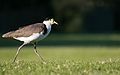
[81,22]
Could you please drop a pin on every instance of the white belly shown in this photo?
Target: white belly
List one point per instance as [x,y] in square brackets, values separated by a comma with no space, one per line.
[33,37]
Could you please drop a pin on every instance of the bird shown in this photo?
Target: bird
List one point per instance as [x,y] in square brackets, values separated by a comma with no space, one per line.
[31,34]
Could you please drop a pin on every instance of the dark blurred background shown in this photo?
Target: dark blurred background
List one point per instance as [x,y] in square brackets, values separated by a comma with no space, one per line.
[76,18]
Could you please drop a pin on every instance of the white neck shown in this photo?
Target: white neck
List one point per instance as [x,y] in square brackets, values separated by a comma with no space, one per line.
[48,25]
[46,22]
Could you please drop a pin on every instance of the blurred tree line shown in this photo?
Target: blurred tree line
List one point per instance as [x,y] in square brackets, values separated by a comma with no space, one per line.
[74,16]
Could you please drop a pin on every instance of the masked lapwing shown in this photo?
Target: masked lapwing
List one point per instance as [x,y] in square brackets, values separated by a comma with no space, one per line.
[31,34]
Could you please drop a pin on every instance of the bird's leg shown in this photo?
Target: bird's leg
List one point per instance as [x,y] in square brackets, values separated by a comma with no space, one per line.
[18,50]
[36,52]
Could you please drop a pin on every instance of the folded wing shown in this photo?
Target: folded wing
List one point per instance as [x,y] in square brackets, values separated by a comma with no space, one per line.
[25,31]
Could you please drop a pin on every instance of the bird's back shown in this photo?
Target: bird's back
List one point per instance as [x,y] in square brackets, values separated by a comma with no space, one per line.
[25,31]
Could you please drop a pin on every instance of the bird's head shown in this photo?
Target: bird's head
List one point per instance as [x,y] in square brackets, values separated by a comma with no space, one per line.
[50,21]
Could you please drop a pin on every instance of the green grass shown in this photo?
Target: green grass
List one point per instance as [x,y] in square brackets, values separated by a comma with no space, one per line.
[67,60]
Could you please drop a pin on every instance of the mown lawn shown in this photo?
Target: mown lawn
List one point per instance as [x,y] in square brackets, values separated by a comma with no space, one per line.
[61,60]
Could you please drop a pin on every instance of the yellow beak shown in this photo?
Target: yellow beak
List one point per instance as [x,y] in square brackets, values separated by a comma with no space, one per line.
[55,23]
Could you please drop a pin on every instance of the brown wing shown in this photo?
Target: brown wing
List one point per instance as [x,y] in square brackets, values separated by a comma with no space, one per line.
[26,31]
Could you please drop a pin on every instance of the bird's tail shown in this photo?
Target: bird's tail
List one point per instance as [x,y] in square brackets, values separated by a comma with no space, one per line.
[7,35]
